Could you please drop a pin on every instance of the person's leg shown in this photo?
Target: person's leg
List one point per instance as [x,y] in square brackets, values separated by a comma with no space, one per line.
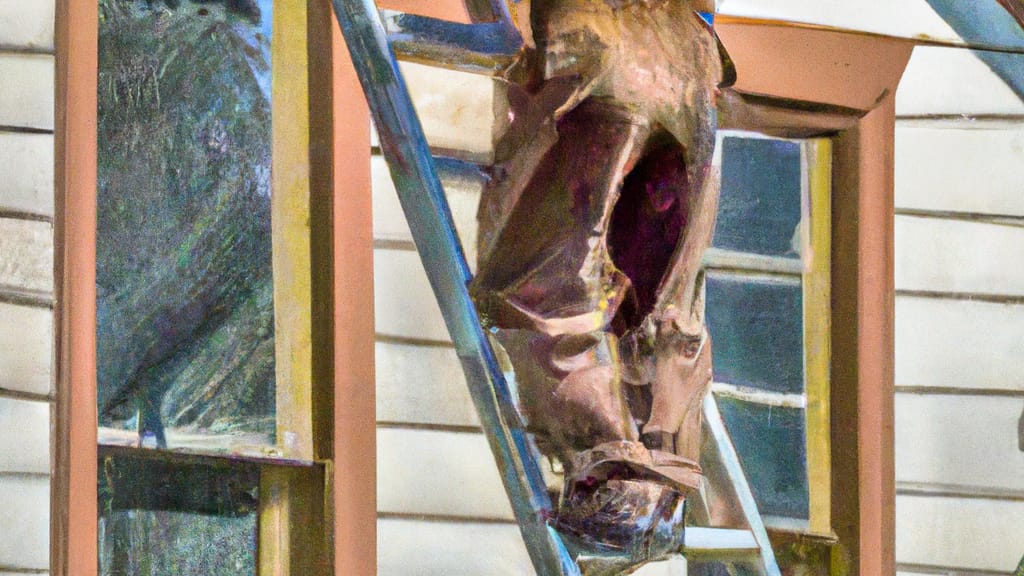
[659,231]
[548,286]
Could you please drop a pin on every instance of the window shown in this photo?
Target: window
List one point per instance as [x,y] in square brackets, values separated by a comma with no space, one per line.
[204,289]
[768,307]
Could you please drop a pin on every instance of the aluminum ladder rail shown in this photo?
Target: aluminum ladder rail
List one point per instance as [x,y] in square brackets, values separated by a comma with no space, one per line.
[487,48]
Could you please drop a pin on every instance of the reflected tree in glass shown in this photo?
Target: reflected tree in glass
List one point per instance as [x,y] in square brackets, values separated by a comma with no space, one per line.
[184,285]
[163,517]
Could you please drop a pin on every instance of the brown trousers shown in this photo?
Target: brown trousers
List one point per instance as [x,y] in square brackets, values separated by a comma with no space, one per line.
[591,282]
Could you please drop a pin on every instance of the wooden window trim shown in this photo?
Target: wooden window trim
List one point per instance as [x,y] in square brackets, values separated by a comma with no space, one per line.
[808,81]
[337,397]
[813,97]
[813,270]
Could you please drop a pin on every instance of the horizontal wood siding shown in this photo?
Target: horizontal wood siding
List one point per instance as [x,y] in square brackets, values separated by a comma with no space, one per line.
[419,384]
[442,504]
[959,318]
[26,93]
[965,442]
[438,473]
[26,256]
[404,302]
[953,256]
[389,221]
[26,25]
[964,534]
[25,442]
[26,282]
[959,344]
[25,522]
[961,166]
[951,81]
[413,547]
[455,108]
[26,162]
[427,547]
[26,349]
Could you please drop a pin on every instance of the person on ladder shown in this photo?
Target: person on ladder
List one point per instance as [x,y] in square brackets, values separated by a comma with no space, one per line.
[591,236]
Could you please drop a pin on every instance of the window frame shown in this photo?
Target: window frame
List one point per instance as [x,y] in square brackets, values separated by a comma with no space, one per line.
[818,97]
[315,167]
[813,269]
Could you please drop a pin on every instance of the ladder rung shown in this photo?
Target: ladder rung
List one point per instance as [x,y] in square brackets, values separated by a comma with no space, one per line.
[486,48]
[716,541]
[460,171]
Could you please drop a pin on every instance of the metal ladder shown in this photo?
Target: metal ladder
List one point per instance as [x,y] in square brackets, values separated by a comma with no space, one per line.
[487,47]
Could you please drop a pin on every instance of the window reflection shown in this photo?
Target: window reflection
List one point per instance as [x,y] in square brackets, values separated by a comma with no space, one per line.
[184,286]
[176,517]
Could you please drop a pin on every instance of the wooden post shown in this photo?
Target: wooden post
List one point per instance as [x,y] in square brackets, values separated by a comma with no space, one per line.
[864,481]
[73,504]
[355,433]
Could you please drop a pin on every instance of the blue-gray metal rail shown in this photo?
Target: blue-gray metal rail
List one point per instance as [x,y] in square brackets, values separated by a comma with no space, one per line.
[412,167]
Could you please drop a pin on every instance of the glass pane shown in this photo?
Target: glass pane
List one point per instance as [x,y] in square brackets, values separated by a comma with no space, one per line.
[185,315]
[756,326]
[177,518]
[771,442]
[760,208]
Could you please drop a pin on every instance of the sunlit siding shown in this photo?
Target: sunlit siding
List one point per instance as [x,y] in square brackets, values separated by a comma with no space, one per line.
[26,282]
[959,317]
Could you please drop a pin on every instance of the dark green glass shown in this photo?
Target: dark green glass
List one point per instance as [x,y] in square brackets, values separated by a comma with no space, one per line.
[760,208]
[771,443]
[756,325]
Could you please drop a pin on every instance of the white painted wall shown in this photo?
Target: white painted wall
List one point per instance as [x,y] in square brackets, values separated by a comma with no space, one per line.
[959,317]
[26,282]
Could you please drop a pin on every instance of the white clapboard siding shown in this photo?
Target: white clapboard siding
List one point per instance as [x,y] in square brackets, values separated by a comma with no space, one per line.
[27,24]
[404,302]
[25,442]
[969,441]
[952,81]
[957,256]
[25,522]
[905,18]
[426,548]
[26,162]
[422,385]
[389,221]
[976,534]
[26,348]
[959,344]
[438,473]
[26,255]
[455,108]
[675,566]
[960,166]
[26,90]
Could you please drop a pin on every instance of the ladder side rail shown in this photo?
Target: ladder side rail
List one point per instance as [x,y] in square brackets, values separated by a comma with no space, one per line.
[734,470]
[422,197]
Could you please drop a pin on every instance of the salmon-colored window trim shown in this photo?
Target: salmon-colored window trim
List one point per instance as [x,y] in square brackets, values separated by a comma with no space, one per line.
[862,302]
[348,446]
[73,484]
